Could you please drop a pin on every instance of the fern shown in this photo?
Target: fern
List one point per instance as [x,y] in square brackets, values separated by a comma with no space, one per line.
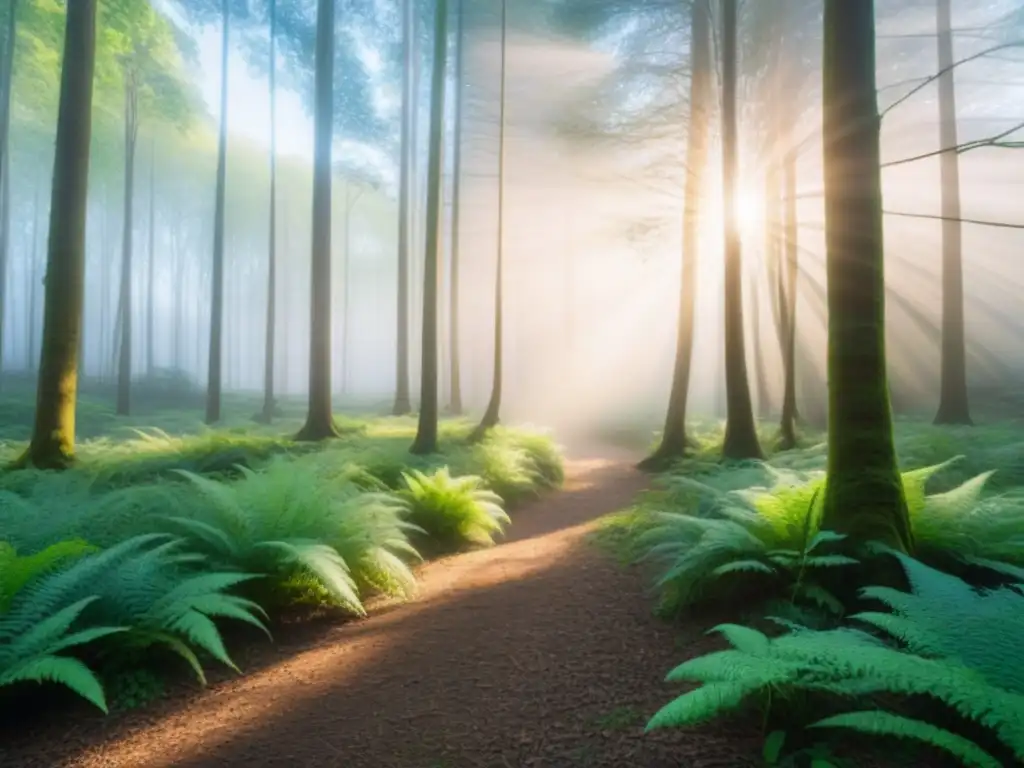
[740,542]
[18,570]
[453,509]
[961,650]
[287,521]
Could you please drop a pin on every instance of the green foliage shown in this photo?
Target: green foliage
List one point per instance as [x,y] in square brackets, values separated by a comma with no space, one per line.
[16,571]
[945,655]
[181,537]
[288,521]
[763,539]
[453,510]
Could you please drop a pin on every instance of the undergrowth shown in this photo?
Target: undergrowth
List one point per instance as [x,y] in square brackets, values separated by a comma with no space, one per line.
[936,665]
[152,541]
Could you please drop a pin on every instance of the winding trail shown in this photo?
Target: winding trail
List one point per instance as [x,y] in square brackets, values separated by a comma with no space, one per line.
[539,652]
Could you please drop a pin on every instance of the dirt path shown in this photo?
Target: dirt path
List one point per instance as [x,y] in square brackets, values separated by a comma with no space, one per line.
[540,652]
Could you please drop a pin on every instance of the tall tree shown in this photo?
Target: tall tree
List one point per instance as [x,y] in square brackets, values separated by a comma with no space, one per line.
[454,358]
[791,246]
[493,411]
[267,414]
[426,432]
[403,404]
[319,419]
[953,399]
[124,303]
[863,493]
[673,437]
[151,268]
[53,434]
[740,430]
[6,81]
[213,381]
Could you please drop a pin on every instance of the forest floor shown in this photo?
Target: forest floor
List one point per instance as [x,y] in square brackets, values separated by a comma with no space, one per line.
[542,651]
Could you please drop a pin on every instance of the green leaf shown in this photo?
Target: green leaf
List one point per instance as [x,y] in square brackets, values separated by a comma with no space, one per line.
[772,749]
[877,722]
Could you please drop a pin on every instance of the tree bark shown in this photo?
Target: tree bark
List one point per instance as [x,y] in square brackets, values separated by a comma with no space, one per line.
[954,405]
[403,404]
[213,373]
[426,432]
[267,414]
[53,435]
[454,359]
[319,419]
[740,430]
[863,494]
[492,415]
[124,304]
[674,442]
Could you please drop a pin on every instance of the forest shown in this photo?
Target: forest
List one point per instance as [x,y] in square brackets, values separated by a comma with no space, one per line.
[548,383]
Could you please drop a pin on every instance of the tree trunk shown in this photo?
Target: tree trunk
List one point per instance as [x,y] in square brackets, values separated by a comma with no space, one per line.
[346,287]
[403,405]
[53,434]
[953,401]
[213,374]
[267,414]
[426,432]
[151,270]
[33,291]
[740,430]
[492,414]
[179,296]
[319,419]
[124,304]
[787,426]
[5,163]
[863,494]
[454,370]
[760,369]
[674,441]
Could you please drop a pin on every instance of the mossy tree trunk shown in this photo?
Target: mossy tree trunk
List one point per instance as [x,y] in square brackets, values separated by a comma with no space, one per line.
[403,402]
[492,414]
[740,430]
[214,366]
[124,303]
[426,432]
[953,400]
[674,441]
[319,418]
[864,494]
[267,413]
[454,359]
[53,434]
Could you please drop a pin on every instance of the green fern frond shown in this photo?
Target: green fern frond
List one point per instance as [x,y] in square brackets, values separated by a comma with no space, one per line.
[879,723]
[62,670]
[18,570]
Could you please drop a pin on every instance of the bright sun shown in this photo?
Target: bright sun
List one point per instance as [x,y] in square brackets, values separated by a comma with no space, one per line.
[749,214]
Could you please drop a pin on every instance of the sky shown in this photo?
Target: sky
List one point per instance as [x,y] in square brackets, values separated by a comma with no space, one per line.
[249,100]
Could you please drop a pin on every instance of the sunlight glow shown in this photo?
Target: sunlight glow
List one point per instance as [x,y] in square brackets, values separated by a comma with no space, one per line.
[749,212]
